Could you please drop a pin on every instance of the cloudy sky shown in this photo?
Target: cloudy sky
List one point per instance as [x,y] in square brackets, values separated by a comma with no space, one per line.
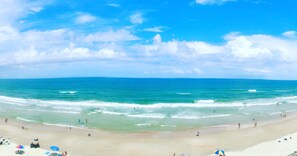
[148,38]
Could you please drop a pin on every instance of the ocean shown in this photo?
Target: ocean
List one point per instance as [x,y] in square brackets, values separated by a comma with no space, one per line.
[136,104]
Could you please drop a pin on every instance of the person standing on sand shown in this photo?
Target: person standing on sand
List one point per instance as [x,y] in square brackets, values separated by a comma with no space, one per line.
[6,120]
[198,133]
[238,125]
[255,124]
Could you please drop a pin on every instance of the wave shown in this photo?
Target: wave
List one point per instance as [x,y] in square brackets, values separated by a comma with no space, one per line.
[183,93]
[26,120]
[68,92]
[76,106]
[199,117]
[62,125]
[48,111]
[252,90]
[153,116]
[111,113]
[275,113]
[167,126]
[204,101]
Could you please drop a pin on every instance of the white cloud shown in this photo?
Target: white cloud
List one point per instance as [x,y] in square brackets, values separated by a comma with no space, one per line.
[180,49]
[68,54]
[202,48]
[13,10]
[36,9]
[7,33]
[111,36]
[290,34]
[157,39]
[257,70]
[136,18]
[114,5]
[211,2]
[243,47]
[154,29]
[85,18]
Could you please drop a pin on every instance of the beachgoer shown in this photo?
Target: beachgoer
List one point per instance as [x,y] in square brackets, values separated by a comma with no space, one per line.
[79,121]
[238,125]
[6,120]
[255,124]
[23,127]
[70,128]
[89,134]
[198,133]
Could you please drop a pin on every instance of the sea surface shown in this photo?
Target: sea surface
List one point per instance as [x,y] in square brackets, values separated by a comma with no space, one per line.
[131,104]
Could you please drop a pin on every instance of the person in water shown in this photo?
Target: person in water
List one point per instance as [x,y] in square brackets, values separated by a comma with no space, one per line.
[198,133]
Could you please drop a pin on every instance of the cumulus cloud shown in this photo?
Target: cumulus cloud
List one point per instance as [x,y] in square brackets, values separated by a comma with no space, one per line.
[157,29]
[243,47]
[211,2]
[36,9]
[12,10]
[257,55]
[136,18]
[85,18]
[290,34]
[157,39]
[251,55]
[112,36]
[68,54]
[180,49]
[113,5]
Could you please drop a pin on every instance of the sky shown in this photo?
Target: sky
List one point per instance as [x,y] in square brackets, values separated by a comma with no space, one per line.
[148,38]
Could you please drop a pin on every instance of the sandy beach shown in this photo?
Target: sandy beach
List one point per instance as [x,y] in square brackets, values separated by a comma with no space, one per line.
[77,142]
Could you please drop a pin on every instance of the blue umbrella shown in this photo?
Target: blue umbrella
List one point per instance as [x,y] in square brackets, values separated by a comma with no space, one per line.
[55,148]
[220,152]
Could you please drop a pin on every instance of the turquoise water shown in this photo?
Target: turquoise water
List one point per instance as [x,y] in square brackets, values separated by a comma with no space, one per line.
[122,104]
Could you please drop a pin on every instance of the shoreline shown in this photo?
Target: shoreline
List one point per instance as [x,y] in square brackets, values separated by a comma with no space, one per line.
[143,143]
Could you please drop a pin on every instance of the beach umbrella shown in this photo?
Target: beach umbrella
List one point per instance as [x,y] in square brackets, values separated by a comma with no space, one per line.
[220,152]
[54,148]
[20,147]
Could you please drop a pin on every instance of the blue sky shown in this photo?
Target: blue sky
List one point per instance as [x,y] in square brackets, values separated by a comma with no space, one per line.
[141,38]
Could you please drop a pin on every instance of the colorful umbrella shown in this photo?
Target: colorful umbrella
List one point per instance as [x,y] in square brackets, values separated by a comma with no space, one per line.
[55,148]
[20,147]
[220,152]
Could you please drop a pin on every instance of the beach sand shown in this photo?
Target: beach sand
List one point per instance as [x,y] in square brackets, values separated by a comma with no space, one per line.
[279,147]
[9,150]
[103,143]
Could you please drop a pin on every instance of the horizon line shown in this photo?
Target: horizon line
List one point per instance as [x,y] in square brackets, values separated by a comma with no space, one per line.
[78,77]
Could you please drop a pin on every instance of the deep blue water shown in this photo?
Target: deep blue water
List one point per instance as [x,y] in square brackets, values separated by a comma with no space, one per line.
[146,91]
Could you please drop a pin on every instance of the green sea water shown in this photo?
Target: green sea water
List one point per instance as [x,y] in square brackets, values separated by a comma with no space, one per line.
[123,104]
